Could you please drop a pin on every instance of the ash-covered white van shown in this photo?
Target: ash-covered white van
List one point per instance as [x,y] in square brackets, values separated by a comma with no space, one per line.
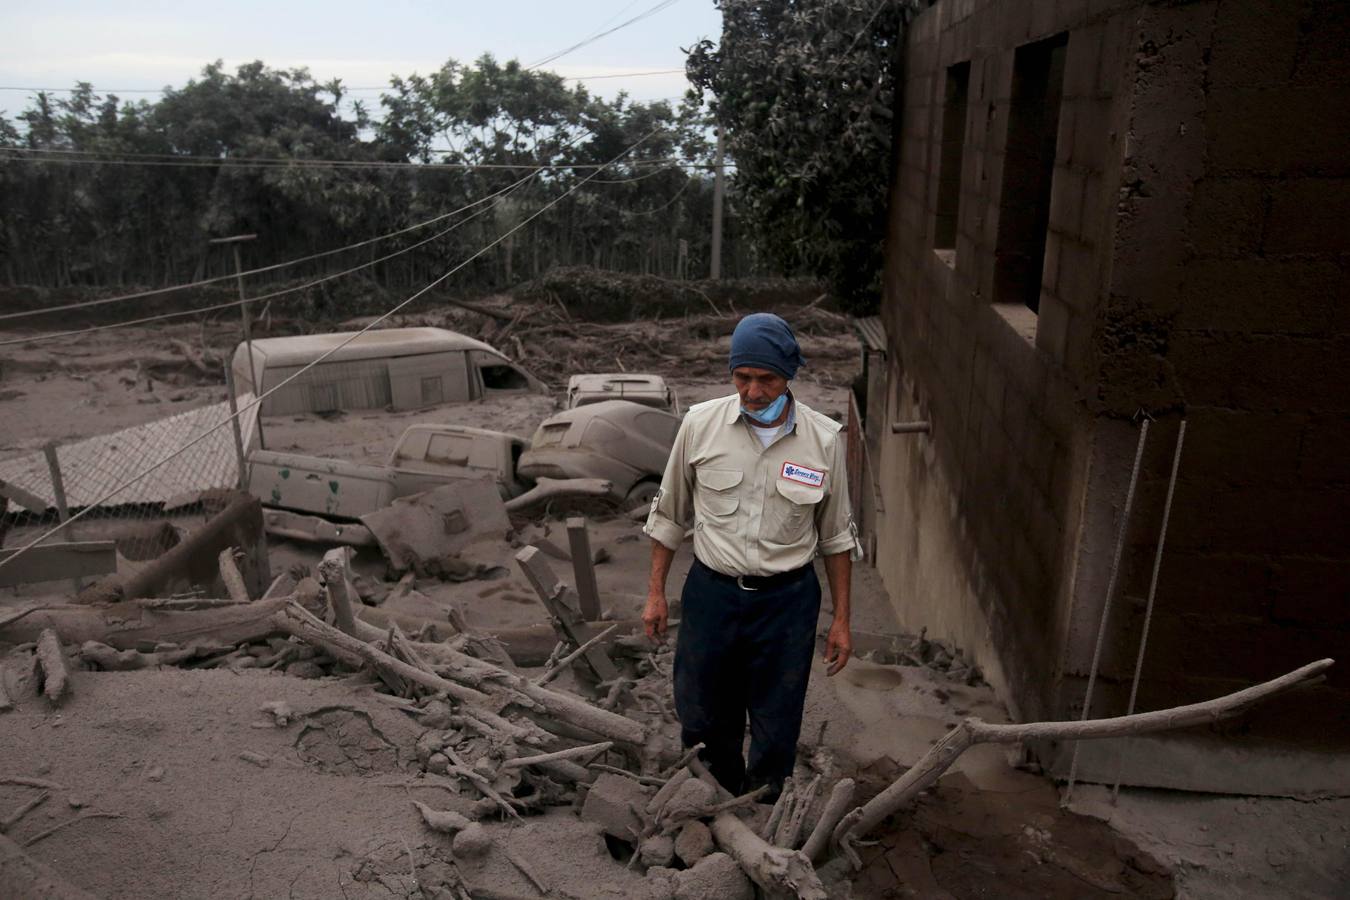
[395,368]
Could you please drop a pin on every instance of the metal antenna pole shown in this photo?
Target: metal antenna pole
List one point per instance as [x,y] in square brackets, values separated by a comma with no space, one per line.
[1152,592]
[234,241]
[1106,606]
[719,193]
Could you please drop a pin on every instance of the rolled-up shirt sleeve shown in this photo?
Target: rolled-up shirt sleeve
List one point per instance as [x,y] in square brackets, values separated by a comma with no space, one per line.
[673,507]
[834,516]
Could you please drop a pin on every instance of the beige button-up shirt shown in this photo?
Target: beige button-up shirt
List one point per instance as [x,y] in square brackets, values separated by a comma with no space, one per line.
[755,510]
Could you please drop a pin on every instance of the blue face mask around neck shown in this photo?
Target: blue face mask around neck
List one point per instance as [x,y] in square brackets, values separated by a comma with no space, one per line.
[768,414]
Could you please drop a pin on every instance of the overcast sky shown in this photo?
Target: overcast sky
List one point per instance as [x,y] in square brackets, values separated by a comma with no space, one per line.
[148,45]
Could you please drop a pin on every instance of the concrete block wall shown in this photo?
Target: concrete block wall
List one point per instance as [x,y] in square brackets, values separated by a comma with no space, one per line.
[993,492]
[1227,303]
[1194,262]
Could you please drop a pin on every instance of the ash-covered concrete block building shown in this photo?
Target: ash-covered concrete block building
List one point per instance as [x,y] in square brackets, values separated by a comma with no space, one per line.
[1104,210]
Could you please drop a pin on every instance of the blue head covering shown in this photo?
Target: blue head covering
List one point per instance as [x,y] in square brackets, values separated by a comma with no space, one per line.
[764,341]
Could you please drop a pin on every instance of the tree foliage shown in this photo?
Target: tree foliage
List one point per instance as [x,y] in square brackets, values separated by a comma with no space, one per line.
[149,184]
[805,94]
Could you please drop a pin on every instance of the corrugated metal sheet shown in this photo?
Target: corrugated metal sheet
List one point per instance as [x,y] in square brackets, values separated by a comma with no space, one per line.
[872,333]
[92,467]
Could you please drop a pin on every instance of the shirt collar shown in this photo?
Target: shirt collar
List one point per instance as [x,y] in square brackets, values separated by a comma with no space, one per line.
[789,424]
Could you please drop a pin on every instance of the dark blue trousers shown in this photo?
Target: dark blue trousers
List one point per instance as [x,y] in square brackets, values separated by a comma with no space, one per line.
[744,653]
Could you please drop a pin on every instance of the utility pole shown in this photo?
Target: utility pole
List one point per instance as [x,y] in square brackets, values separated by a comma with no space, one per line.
[234,241]
[719,191]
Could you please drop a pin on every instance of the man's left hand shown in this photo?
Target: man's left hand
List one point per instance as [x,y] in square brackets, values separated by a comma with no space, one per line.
[838,647]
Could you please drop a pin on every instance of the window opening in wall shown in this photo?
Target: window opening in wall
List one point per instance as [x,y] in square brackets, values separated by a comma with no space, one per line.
[1028,171]
[952,151]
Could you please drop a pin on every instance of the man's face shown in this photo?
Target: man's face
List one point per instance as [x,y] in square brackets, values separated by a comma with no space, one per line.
[758,387]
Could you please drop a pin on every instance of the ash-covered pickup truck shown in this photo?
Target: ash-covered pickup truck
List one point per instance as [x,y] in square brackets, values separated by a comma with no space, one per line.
[425,457]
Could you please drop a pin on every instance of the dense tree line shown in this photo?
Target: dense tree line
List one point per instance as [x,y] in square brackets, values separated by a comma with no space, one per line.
[806,95]
[98,191]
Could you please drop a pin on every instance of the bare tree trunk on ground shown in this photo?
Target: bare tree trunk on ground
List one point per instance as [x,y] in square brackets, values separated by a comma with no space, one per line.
[128,625]
[972,731]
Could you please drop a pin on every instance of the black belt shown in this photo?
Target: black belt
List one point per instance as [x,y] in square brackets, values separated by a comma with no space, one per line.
[757,582]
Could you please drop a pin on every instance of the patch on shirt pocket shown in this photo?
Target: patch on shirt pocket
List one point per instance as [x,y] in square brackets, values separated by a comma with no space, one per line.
[716,493]
[791,512]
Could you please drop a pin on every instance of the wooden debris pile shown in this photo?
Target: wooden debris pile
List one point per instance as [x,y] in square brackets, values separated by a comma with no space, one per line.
[503,744]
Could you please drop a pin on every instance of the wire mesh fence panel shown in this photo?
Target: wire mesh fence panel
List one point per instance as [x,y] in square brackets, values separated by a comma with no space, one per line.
[142,489]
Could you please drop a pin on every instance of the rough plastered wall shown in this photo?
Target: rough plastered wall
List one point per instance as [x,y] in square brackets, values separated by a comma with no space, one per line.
[1228,303]
[981,512]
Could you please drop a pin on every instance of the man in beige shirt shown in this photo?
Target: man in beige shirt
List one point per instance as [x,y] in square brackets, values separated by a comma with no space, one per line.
[760,478]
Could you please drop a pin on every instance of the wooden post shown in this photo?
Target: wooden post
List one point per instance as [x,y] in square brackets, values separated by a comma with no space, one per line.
[238,432]
[563,616]
[583,567]
[59,490]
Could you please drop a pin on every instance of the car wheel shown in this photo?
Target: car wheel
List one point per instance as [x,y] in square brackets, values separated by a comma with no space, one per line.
[641,495]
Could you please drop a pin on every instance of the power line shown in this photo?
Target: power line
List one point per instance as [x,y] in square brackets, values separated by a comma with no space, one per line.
[345,89]
[263,396]
[258,271]
[92,157]
[183,313]
[271,268]
[651,11]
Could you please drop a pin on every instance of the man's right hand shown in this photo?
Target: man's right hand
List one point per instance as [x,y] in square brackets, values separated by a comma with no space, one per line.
[654,616]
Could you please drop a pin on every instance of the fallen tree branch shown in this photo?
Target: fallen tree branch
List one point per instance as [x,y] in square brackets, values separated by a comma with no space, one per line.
[567,660]
[26,877]
[13,818]
[129,625]
[835,807]
[55,676]
[973,731]
[229,573]
[775,869]
[570,753]
[31,782]
[71,821]
[297,621]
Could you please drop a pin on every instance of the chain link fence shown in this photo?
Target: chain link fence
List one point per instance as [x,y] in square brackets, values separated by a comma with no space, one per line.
[97,495]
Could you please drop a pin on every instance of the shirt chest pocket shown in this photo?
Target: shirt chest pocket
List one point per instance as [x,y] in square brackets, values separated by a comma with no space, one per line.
[716,495]
[791,511]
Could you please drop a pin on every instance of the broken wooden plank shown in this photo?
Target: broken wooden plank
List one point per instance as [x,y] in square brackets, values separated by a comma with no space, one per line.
[565,617]
[583,568]
[29,501]
[53,562]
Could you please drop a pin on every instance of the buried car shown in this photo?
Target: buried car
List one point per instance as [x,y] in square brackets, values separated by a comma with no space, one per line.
[622,442]
[649,390]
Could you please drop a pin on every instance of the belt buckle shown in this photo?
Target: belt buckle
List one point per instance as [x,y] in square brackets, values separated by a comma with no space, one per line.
[740,583]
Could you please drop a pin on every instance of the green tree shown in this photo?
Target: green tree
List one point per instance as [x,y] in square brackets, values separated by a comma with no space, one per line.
[805,94]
